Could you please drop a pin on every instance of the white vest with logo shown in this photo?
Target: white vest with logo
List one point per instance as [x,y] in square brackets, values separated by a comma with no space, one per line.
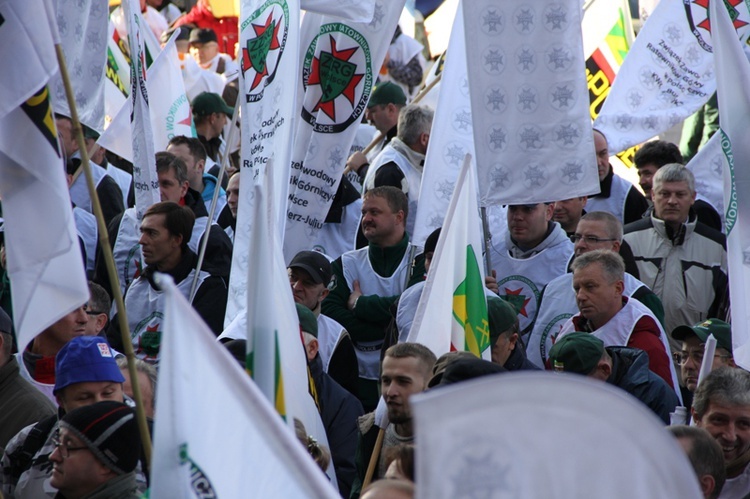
[520,281]
[617,331]
[412,175]
[79,192]
[330,333]
[615,203]
[356,267]
[559,305]
[87,230]
[335,239]
[127,251]
[145,306]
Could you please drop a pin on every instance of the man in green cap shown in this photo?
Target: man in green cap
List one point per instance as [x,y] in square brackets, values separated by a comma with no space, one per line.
[507,349]
[210,114]
[690,356]
[624,367]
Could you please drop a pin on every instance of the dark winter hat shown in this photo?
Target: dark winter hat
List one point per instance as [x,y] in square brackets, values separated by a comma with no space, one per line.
[206,103]
[720,329]
[84,359]
[465,369]
[386,93]
[110,431]
[576,353]
[443,362]
[203,35]
[430,244]
[315,264]
[501,316]
[307,320]
[6,324]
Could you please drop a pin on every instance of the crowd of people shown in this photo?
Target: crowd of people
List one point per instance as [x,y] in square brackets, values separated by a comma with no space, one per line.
[625,286]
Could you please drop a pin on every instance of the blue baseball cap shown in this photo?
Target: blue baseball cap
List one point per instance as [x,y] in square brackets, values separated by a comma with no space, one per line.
[85,359]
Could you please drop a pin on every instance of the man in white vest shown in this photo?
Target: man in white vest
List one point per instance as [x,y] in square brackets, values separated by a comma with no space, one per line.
[598,282]
[369,280]
[533,251]
[124,230]
[165,231]
[597,230]
[401,162]
[310,275]
[617,196]
[191,151]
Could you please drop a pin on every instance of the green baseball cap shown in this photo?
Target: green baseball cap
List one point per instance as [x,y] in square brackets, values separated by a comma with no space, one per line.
[307,320]
[502,315]
[386,93]
[576,353]
[720,329]
[207,103]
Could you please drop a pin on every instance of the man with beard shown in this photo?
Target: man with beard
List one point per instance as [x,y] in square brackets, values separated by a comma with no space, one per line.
[406,370]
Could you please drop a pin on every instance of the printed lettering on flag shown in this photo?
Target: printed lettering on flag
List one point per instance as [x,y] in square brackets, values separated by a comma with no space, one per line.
[529,101]
[668,74]
[117,84]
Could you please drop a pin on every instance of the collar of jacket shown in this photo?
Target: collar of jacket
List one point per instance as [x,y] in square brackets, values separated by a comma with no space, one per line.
[181,271]
[678,237]
[385,260]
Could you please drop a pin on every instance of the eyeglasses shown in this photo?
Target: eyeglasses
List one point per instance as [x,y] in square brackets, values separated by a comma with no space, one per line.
[590,239]
[696,355]
[91,312]
[64,448]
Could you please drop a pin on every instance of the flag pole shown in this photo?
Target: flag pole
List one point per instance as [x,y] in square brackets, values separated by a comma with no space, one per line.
[487,238]
[214,201]
[108,258]
[374,458]
[425,90]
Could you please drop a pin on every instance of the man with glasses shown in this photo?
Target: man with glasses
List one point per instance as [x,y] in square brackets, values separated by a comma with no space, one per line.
[86,373]
[97,310]
[690,356]
[597,230]
[96,452]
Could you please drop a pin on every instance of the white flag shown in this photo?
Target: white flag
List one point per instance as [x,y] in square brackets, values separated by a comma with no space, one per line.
[667,75]
[228,441]
[44,259]
[339,67]
[709,166]
[448,144]
[146,182]
[276,355]
[269,60]
[358,11]
[82,25]
[556,452]
[452,311]
[529,101]
[117,84]
[732,75]
[169,108]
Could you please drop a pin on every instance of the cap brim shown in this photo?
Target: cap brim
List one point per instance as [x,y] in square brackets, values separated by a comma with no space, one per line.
[681,332]
[314,273]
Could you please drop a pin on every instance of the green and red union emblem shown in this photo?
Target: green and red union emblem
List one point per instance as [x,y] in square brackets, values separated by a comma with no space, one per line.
[263,49]
[337,72]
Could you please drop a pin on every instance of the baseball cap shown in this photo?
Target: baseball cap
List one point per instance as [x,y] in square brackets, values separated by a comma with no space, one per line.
[85,359]
[202,35]
[720,329]
[430,244]
[315,264]
[206,103]
[307,320]
[386,93]
[576,353]
[502,315]
[6,324]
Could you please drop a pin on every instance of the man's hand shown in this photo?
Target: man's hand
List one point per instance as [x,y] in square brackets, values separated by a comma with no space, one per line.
[356,161]
[490,283]
[352,301]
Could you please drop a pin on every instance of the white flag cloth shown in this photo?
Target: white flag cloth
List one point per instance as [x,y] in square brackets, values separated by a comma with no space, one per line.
[117,83]
[340,61]
[529,101]
[452,311]
[146,182]
[358,11]
[276,354]
[44,259]
[269,60]
[667,75]
[449,144]
[82,25]
[459,456]
[169,108]
[709,166]
[732,75]
[229,441]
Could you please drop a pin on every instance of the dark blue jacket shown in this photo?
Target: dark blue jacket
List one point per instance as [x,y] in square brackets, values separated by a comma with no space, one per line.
[630,372]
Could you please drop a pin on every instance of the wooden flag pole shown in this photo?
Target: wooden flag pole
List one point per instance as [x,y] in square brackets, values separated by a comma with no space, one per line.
[416,100]
[374,458]
[108,258]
